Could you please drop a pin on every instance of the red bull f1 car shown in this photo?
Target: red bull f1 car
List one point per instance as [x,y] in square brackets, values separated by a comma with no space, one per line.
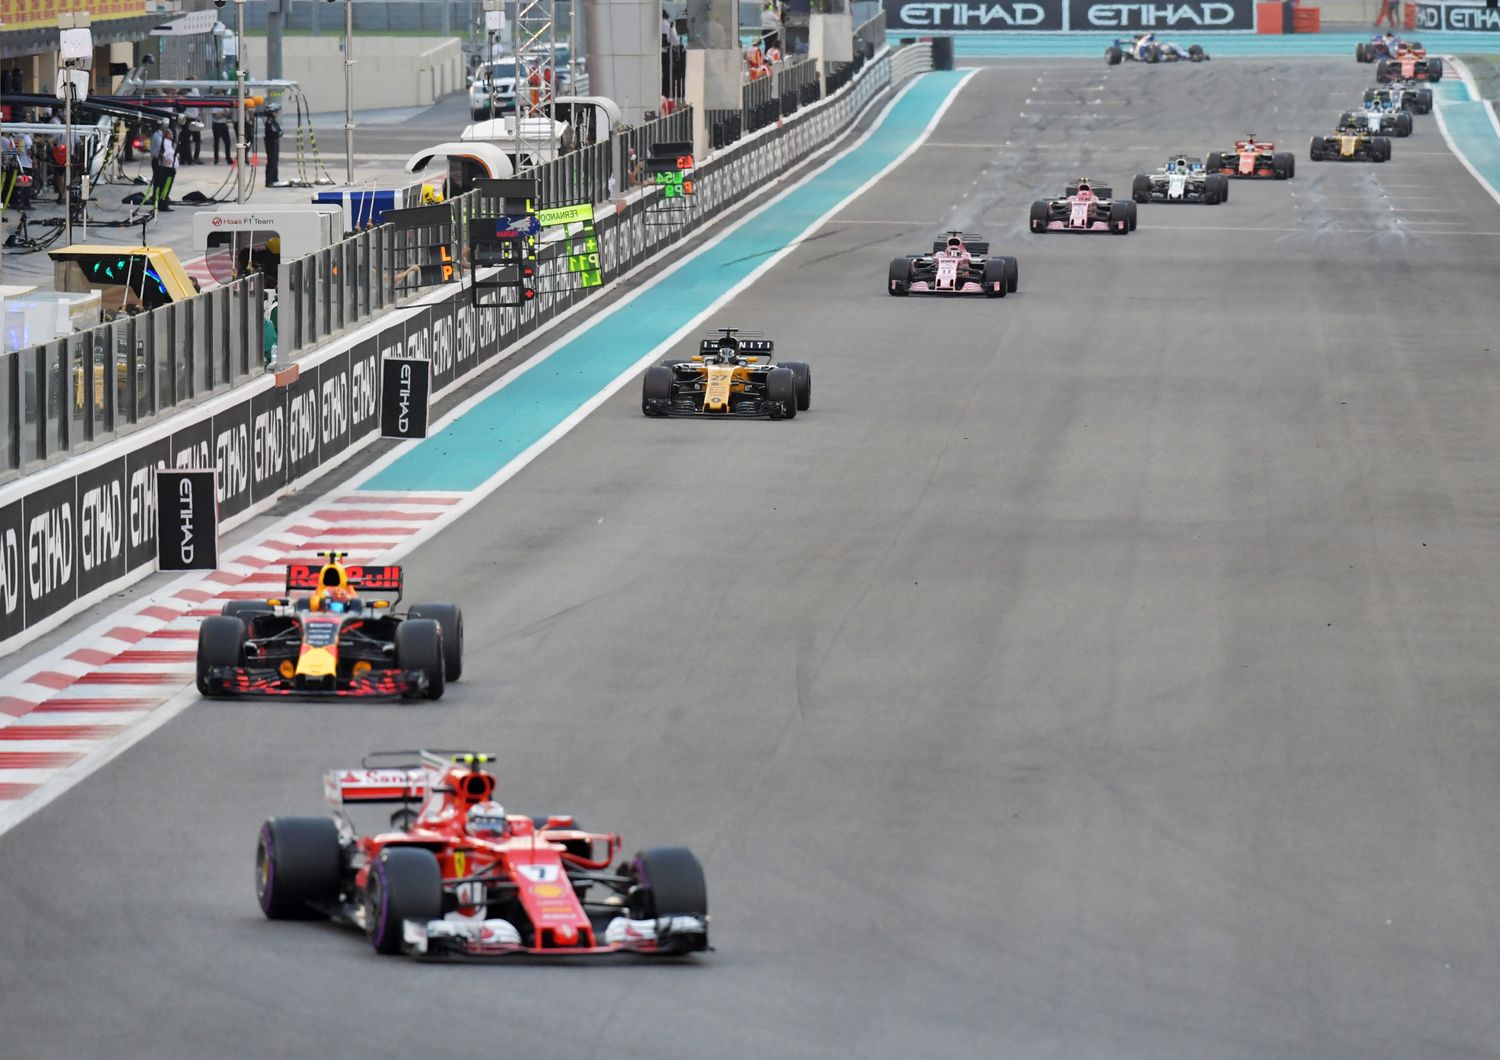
[959,264]
[1084,207]
[327,637]
[1253,158]
[731,376]
[457,876]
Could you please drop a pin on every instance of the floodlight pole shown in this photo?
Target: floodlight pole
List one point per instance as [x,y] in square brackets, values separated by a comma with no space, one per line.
[349,90]
[240,149]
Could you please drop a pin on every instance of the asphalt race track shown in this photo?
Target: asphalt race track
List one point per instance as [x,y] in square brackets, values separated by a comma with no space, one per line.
[1107,671]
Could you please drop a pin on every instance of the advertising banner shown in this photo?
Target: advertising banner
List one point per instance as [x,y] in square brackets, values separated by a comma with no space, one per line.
[1042,16]
[1458,18]
[187,519]
[404,386]
[1177,17]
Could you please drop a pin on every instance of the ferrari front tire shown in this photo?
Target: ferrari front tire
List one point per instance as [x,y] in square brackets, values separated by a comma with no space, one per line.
[419,646]
[668,882]
[404,884]
[298,864]
[221,642]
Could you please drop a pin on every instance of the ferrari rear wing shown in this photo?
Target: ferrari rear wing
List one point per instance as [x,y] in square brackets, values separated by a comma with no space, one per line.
[342,787]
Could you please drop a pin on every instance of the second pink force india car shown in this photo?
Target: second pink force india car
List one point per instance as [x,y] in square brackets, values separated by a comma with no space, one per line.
[1084,207]
[959,264]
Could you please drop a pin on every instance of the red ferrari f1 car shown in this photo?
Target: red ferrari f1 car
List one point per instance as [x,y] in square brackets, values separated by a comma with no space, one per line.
[331,642]
[458,876]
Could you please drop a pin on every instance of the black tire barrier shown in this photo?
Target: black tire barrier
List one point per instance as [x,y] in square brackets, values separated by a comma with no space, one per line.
[942,53]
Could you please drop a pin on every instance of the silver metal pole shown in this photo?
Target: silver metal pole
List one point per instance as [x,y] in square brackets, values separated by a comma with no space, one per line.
[349,91]
[240,150]
[68,157]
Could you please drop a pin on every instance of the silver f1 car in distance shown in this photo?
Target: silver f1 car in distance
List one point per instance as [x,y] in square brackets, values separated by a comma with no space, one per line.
[959,264]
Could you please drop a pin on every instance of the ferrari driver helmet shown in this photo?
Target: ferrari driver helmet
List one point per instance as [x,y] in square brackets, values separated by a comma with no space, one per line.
[487,819]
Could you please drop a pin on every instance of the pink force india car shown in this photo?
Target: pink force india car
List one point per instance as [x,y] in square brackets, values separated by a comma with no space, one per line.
[1084,207]
[959,264]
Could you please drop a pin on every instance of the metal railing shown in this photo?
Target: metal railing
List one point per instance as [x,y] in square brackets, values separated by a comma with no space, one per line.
[76,392]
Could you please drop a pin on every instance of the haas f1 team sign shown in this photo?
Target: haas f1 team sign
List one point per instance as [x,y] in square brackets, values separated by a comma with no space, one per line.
[1057,15]
[187,519]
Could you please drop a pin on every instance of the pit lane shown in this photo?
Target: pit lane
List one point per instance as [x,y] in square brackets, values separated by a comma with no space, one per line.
[1106,671]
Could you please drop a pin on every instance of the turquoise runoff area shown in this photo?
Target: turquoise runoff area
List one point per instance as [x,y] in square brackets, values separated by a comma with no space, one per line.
[1218,45]
[494,432]
[1468,121]
[482,441]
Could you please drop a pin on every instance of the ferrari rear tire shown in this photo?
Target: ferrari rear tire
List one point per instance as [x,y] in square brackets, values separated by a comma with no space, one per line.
[419,646]
[1039,211]
[404,884]
[995,281]
[1282,165]
[781,389]
[1140,188]
[451,619]
[802,376]
[899,284]
[221,642]
[656,390]
[298,864]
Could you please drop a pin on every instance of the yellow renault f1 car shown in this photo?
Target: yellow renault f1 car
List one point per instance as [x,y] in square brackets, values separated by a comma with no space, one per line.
[332,642]
[1350,143]
[730,376]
